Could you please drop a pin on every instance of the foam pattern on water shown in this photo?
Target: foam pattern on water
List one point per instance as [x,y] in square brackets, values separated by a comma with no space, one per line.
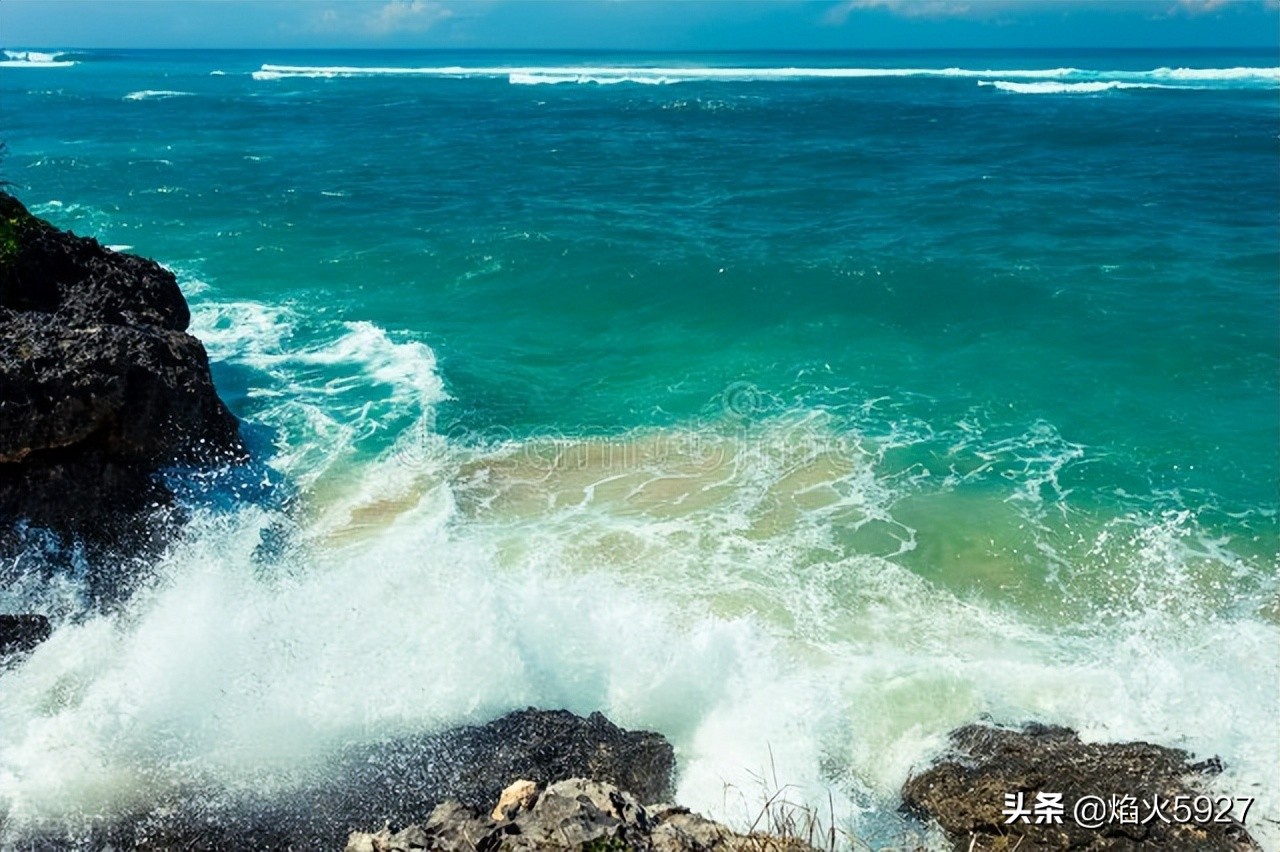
[846,672]
[735,585]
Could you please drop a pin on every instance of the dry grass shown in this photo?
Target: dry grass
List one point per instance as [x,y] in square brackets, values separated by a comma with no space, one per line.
[781,825]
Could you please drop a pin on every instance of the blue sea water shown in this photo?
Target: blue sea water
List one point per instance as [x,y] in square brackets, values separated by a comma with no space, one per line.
[799,406]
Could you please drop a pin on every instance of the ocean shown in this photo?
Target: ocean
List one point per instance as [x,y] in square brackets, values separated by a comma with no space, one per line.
[800,407]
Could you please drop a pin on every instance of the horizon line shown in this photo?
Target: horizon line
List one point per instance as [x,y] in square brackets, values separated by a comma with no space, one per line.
[967,49]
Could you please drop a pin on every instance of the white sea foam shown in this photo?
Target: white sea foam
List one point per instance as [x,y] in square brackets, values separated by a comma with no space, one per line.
[407,370]
[260,336]
[81,218]
[327,397]
[759,648]
[23,63]
[1238,73]
[609,74]
[151,94]
[527,79]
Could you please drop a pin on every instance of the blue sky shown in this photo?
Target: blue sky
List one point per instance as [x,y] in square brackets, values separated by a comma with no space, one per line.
[640,24]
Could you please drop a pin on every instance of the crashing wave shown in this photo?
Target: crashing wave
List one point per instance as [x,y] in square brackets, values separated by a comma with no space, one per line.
[33,59]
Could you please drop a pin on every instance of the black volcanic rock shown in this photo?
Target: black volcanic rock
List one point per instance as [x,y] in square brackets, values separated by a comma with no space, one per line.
[395,782]
[49,271]
[576,815]
[100,388]
[474,764]
[965,792]
[20,633]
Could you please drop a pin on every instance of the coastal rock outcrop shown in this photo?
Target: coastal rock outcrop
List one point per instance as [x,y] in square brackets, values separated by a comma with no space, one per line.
[100,389]
[574,814]
[396,782]
[1003,789]
[474,764]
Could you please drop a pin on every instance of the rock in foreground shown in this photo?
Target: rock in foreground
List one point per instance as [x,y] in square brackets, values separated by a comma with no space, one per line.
[966,793]
[100,388]
[395,782]
[576,814]
[475,764]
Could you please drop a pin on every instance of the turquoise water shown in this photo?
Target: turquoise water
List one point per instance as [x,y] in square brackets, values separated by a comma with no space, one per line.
[799,406]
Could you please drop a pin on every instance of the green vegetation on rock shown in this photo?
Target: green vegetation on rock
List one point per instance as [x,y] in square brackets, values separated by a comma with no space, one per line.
[13,219]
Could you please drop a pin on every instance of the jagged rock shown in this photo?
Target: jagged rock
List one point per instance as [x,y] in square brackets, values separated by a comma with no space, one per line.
[574,814]
[394,783]
[474,764]
[132,393]
[966,790]
[48,271]
[686,831]
[520,795]
[20,633]
[100,388]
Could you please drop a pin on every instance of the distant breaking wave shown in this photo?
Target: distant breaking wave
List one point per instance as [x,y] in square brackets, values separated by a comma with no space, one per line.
[529,75]
[1056,88]
[605,75]
[149,94]
[33,59]
[30,56]
[525,79]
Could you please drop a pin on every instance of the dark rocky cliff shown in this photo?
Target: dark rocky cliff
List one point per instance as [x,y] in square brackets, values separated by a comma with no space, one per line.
[101,389]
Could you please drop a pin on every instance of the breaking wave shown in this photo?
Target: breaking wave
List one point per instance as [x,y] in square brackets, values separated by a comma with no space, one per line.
[610,74]
[1054,88]
[33,59]
[151,94]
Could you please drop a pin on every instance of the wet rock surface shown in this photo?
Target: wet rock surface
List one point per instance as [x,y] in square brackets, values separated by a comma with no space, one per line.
[575,814]
[101,389]
[394,783]
[475,764]
[19,633]
[966,793]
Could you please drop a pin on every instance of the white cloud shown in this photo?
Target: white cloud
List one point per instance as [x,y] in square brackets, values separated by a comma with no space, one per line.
[908,8]
[380,20]
[1201,7]
[1195,6]
[407,16]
